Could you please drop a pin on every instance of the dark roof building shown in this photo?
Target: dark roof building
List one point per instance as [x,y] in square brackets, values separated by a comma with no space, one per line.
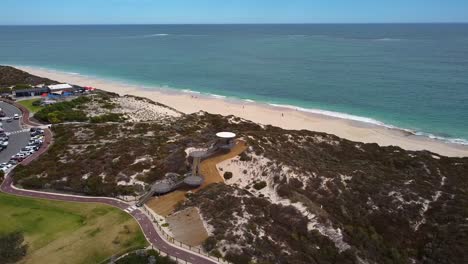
[37,91]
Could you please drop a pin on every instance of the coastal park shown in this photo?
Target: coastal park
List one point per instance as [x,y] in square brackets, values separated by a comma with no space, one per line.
[58,232]
[31,104]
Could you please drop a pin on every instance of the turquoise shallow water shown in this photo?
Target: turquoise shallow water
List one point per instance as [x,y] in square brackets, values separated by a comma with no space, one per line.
[412,76]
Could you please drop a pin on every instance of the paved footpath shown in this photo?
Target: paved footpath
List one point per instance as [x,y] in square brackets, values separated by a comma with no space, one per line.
[143,220]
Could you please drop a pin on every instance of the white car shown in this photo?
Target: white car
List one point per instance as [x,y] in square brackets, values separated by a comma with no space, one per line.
[4,169]
[38,137]
[26,153]
[7,165]
[16,117]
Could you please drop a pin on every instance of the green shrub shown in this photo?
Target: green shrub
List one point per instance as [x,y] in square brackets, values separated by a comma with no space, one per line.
[143,257]
[5,91]
[244,157]
[21,86]
[210,243]
[260,185]
[227,175]
[216,253]
[12,248]
[63,112]
[107,118]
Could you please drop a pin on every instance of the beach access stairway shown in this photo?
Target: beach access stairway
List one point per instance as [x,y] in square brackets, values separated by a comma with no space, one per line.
[173,181]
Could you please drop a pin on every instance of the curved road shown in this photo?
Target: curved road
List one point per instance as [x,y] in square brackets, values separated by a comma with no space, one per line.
[143,220]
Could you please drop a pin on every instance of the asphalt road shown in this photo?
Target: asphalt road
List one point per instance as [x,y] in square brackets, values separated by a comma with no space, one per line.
[18,139]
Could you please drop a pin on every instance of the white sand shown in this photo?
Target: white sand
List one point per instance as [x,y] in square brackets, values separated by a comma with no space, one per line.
[264,114]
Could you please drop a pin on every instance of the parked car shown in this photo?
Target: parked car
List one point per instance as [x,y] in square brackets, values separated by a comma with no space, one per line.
[23,153]
[37,137]
[27,152]
[17,158]
[37,143]
[9,119]
[4,144]
[31,148]
[36,133]
[5,164]
[13,162]
[16,116]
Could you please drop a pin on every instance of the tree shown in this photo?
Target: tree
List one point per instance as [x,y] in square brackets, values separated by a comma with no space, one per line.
[12,248]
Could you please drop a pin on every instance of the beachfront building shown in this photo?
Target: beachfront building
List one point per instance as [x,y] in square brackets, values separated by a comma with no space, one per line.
[35,91]
[61,88]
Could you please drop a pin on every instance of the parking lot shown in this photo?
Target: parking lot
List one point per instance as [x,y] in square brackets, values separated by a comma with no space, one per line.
[16,142]
[18,137]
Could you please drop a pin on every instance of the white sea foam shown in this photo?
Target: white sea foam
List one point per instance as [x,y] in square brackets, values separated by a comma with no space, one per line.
[332,114]
[73,73]
[387,39]
[249,100]
[190,91]
[460,141]
[371,121]
[156,35]
[217,96]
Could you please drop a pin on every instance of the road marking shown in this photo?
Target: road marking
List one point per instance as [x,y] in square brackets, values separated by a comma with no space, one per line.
[17,132]
[6,117]
[131,209]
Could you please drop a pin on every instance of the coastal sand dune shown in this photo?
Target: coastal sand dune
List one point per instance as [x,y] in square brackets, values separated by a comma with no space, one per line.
[265,114]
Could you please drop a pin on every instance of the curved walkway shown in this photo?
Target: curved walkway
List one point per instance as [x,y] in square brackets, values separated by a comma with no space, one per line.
[143,220]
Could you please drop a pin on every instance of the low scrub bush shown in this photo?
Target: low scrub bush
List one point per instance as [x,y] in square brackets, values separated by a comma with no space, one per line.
[260,185]
[227,175]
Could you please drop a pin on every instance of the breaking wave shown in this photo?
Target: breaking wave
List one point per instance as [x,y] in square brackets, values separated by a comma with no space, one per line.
[372,121]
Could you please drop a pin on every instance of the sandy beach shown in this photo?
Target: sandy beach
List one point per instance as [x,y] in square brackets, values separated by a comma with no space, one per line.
[265,114]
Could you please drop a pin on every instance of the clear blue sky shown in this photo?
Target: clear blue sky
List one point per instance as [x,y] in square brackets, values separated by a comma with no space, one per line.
[36,12]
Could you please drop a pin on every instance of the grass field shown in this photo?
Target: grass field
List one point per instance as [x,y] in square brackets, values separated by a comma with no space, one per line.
[72,233]
[29,106]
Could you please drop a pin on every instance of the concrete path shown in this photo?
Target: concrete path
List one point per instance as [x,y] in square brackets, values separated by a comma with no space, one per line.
[143,220]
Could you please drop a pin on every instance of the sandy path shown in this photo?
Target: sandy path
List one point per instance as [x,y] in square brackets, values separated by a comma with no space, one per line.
[165,205]
[208,167]
[188,227]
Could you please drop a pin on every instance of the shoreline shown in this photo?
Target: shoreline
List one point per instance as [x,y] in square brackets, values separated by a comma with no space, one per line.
[287,117]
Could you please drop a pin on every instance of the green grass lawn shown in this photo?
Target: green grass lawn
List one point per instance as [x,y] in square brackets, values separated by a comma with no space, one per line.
[29,106]
[64,232]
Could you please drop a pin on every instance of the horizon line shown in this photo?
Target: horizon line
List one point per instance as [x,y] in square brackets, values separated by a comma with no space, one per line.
[267,23]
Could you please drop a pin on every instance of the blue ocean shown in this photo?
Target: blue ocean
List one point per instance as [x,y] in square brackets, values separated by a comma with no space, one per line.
[411,76]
